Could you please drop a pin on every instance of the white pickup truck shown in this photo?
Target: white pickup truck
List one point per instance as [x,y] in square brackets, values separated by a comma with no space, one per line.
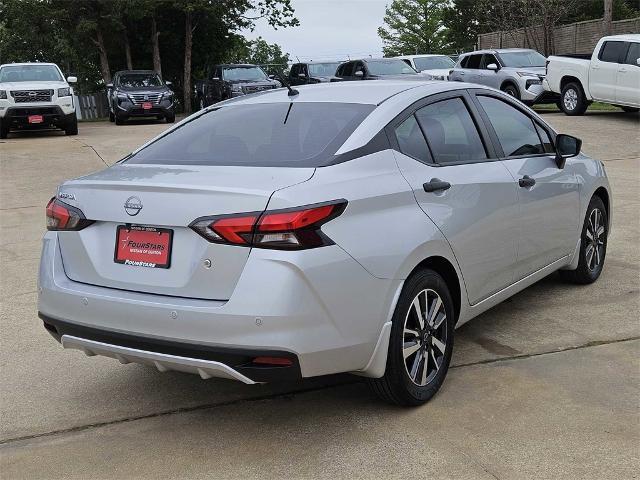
[36,95]
[610,75]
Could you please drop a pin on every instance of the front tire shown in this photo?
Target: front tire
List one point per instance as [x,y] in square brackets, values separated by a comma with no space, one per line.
[511,90]
[630,109]
[420,343]
[572,99]
[72,127]
[593,245]
[119,120]
[4,129]
[170,117]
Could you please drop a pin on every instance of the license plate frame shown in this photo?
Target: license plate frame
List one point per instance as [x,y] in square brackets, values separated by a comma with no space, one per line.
[143,234]
[147,105]
[35,119]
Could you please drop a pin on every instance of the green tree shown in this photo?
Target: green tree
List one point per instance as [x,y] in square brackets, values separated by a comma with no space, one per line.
[414,26]
[463,21]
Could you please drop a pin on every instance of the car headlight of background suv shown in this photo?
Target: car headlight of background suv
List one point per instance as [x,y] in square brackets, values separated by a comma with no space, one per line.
[236,88]
[64,92]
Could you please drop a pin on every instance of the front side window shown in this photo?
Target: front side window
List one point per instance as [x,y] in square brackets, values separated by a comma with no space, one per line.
[612,52]
[474,61]
[411,140]
[258,135]
[30,73]
[244,74]
[488,59]
[633,54]
[451,133]
[138,80]
[433,63]
[344,70]
[515,130]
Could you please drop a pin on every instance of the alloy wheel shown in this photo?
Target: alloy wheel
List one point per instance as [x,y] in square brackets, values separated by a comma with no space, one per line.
[570,99]
[424,337]
[594,240]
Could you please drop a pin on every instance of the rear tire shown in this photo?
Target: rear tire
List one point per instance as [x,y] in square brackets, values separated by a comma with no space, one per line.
[511,90]
[119,120]
[72,127]
[593,245]
[572,99]
[418,332]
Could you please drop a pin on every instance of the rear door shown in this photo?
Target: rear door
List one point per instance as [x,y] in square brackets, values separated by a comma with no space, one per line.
[548,196]
[628,80]
[461,187]
[603,70]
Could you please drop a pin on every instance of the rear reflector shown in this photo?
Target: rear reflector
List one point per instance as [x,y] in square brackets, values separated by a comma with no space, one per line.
[275,361]
[61,216]
[289,229]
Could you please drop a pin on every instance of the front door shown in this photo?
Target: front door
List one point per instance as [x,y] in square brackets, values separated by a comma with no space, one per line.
[628,85]
[548,196]
[603,71]
[469,195]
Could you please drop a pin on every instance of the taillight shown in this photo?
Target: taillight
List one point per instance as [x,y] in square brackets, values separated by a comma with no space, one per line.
[289,229]
[61,216]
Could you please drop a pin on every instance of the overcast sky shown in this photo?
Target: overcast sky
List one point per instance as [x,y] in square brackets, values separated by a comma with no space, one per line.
[329,29]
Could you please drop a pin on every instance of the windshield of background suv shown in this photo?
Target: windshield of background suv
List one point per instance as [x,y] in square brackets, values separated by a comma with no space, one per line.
[258,135]
[433,63]
[30,73]
[137,80]
[323,69]
[244,73]
[389,67]
[529,58]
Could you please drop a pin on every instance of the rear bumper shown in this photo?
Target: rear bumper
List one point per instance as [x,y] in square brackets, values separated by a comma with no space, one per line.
[306,306]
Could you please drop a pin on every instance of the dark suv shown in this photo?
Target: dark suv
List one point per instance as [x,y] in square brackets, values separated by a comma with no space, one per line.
[231,80]
[312,72]
[140,93]
[376,69]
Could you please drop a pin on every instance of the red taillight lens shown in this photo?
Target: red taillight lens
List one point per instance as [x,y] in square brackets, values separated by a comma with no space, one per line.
[61,216]
[291,229]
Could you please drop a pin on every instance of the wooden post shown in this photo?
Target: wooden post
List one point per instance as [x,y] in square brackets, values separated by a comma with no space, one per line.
[608,17]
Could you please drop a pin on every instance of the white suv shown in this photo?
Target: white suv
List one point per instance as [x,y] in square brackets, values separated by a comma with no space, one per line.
[36,95]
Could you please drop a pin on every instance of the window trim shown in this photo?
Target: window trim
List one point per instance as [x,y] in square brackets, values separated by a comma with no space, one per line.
[478,121]
[494,136]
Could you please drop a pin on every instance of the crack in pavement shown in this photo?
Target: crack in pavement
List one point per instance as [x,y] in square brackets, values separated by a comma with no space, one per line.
[207,406]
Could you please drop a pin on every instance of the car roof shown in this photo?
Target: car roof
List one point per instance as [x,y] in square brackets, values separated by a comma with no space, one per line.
[134,71]
[426,55]
[626,36]
[20,64]
[497,50]
[242,65]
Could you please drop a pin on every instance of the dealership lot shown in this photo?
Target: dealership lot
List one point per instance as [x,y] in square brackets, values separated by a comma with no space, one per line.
[543,385]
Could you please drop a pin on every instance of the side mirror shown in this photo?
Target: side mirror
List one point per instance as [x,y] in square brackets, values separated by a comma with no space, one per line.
[168,84]
[72,80]
[492,66]
[359,74]
[109,85]
[272,76]
[567,146]
[215,79]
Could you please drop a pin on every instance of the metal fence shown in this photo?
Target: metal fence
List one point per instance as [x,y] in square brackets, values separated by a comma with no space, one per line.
[578,37]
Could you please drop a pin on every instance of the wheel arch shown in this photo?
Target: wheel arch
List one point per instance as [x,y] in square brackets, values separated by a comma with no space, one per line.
[603,195]
[509,81]
[567,79]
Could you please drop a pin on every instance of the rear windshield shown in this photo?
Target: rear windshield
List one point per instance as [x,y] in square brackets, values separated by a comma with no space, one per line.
[258,135]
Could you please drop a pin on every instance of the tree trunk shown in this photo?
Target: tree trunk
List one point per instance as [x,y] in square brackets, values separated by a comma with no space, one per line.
[104,59]
[157,65]
[607,17]
[186,84]
[127,50]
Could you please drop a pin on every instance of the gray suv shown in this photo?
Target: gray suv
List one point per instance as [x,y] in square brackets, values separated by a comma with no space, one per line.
[517,72]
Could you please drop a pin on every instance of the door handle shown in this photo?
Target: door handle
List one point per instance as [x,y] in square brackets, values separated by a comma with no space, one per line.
[436,185]
[527,181]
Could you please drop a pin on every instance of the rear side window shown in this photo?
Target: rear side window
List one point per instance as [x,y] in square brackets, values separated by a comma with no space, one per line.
[633,54]
[515,130]
[474,61]
[451,133]
[259,135]
[612,52]
[411,140]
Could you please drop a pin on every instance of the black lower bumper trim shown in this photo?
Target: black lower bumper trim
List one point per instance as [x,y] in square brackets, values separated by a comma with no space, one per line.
[238,359]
